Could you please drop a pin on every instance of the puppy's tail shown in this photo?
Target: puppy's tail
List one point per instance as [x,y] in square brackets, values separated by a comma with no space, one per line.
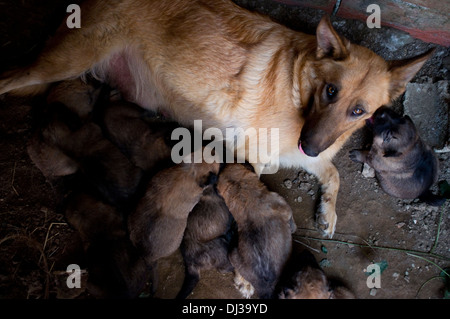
[432,199]
[191,278]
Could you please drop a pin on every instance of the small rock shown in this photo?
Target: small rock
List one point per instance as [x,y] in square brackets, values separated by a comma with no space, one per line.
[368,172]
[304,186]
[324,263]
[287,183]
[373,292]
[400,224]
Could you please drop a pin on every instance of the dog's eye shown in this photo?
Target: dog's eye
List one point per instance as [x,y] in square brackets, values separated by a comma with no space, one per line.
[358,111]
[331,91]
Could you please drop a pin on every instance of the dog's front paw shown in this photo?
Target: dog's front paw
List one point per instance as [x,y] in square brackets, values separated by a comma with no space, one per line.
[326,220]
[356,156]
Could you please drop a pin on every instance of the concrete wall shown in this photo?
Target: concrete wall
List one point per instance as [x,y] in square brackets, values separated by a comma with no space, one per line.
[428,20]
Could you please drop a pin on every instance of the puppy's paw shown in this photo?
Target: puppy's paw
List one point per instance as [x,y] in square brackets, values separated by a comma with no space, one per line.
[326,220]
[246,289]
[356,156]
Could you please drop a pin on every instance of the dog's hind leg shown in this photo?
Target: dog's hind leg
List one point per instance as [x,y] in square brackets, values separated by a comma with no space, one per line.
[69,54]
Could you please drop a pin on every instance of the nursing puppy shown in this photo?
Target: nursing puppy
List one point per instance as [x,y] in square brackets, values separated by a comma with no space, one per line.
[304,279]
[264,224]
[213,61]
[157,225]
[66,141]
[68,103]
[115,268]
[404,165]
[206,239]
[65,146]
[145,143]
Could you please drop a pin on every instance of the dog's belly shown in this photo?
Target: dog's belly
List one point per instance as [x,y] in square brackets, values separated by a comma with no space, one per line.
[127,72]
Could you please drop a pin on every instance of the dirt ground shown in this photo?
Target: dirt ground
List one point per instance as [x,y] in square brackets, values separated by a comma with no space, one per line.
[408,239]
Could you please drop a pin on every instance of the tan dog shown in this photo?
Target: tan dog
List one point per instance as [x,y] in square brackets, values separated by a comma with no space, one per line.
[214,61]
[264,224]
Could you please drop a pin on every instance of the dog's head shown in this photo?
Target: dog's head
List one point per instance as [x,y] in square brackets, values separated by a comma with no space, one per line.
[203,173]
[392,133]
[343,84]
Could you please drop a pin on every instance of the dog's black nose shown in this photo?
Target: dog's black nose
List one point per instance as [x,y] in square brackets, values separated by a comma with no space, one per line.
[307,150]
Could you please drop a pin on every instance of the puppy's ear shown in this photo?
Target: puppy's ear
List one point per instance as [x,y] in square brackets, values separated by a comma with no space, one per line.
[403,71]
[329,43]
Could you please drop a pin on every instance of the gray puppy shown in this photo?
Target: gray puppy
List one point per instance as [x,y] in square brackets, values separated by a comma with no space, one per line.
[404,165]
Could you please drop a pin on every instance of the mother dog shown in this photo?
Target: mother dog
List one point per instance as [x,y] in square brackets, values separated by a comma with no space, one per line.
[214,61]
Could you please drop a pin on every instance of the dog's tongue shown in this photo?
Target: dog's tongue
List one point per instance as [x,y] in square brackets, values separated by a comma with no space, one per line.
[301,149]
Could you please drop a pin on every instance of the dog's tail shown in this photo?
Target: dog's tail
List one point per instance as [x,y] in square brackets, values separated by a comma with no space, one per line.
[432,199]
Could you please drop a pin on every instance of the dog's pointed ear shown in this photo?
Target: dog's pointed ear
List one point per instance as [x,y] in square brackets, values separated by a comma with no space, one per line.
[403,71]
[329,43]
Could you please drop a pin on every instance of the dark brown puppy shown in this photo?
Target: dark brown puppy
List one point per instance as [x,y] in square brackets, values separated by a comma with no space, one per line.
[69,103]
[304,279]
[145,143]
[67,141]
[115,268]
[265,224]
[157,226]
[405,166]
[102,184]
[206,239]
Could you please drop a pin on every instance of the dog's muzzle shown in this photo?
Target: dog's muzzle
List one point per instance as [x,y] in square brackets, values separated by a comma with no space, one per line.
[306,150]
